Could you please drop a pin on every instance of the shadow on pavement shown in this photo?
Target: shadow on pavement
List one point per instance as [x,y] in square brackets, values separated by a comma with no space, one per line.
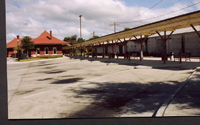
[67,81]
[189,95]
[114,99]
[156,64]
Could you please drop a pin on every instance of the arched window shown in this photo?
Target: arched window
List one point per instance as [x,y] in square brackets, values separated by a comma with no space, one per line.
[46,51]
[38,51]
[54,50]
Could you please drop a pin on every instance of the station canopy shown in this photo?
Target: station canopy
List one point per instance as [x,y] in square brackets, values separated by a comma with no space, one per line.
[171,24]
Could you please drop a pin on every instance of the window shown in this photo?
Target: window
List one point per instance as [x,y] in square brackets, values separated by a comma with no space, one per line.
[38,51]
[46,51]
[54,50]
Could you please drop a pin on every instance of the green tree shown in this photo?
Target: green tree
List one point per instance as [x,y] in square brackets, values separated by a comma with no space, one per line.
[80,40]
[27,44]
[126,28]
[20,48]
[72,40]
[94,37]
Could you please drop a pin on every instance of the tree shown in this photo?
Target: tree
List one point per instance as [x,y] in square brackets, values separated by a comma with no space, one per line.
[126,28]
[72,40]
[20,48]
[94,37]
[80,40]
[27,44]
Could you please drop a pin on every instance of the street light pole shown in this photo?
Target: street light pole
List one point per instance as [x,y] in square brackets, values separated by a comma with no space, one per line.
[18,47]
[80,33]
[80,26]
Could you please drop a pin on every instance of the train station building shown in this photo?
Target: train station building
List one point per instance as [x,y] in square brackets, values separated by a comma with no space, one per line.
[44,45]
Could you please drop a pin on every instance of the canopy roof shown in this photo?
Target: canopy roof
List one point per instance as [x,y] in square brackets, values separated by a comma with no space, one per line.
[171,24]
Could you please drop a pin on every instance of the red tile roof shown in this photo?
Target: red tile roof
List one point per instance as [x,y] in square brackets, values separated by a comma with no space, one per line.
[44,38]
[13,43]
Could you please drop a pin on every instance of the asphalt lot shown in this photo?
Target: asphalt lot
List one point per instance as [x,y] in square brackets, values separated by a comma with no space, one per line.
[87,88]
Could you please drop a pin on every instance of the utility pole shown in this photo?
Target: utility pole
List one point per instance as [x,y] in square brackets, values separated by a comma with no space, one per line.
[80,26]
[93,34]
[115,24]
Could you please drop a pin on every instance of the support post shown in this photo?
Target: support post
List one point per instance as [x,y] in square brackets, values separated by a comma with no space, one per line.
[141,48]
[182,44]
[180,54]
[81,51]
[96,51]
[103,50]
[74,52]
[130,39]
[165,38]
[125,51]
[92,50]
[87,52]
[195,30]
[120,40]
[112,47]
[165,48]
[141,45]
[115,48]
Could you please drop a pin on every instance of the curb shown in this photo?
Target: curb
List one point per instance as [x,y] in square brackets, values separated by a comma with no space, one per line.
[161,111]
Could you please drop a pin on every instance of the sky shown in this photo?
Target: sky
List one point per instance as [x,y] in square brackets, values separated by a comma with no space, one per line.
[32,17]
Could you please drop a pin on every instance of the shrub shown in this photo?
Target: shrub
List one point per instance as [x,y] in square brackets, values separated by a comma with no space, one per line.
[47,57]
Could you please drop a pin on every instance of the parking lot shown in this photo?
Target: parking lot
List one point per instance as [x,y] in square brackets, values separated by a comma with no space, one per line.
[87,88]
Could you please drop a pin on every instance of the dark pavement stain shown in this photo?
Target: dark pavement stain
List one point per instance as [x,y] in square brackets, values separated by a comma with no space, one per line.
[26,91]
[50,67]
[67,81]
[52,71]
[55,72]
[68,76]
[45,79]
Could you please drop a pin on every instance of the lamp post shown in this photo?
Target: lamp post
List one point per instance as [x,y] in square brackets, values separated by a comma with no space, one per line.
[18,47]
[80,33]
[80,26]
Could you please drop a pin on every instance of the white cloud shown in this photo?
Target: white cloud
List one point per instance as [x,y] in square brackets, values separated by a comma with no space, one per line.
[62,17]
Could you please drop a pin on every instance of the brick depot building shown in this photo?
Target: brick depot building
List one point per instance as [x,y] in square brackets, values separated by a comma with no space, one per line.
[44,45]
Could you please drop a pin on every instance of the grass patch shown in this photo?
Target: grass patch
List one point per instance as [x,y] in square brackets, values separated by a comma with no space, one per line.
[40,58]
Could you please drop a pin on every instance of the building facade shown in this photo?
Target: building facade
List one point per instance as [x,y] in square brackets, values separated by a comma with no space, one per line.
[44,45]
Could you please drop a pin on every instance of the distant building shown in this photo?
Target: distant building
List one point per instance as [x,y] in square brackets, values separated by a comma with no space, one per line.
[45,44]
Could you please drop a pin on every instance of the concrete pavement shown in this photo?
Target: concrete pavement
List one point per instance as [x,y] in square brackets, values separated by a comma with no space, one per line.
[75,88]
[187,101]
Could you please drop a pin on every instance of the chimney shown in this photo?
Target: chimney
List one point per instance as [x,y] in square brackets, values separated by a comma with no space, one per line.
[50,34]
[17,36]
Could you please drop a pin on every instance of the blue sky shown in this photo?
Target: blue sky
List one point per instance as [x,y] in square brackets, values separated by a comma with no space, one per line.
[32,17]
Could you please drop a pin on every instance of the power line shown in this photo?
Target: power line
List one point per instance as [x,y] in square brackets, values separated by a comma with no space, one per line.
[115,24]
[163,14]
[147,9]
[153,6]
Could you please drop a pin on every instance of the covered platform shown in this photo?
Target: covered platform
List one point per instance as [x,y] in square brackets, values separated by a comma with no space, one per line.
[164,29]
